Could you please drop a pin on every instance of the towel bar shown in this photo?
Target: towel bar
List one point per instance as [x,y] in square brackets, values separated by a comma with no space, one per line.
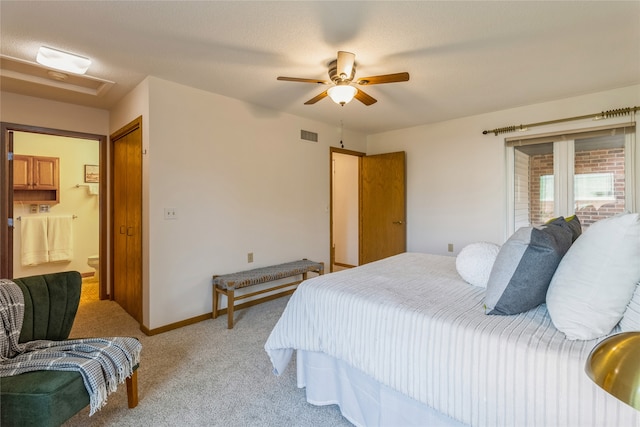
[72,217]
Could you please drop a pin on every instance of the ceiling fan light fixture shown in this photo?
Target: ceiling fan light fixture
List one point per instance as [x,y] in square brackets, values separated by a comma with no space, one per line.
[64,61]
[342,94]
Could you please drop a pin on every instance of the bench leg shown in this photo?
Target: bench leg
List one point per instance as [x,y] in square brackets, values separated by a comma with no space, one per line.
[216,295]
[132,389]
[230,301]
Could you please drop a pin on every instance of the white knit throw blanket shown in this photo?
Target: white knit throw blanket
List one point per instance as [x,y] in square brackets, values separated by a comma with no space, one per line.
[103,362]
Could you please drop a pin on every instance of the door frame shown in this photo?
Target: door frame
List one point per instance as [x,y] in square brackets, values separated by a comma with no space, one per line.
[349,153]
[6,185]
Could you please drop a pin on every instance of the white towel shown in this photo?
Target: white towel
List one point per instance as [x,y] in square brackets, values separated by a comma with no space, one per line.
[35,246]
[93,189]
[60,237]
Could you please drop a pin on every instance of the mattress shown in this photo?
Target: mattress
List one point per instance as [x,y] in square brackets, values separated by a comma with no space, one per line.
[413,325]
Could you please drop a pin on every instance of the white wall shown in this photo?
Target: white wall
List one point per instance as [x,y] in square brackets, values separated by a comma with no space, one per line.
[27,110]
[241,180]
[456,178]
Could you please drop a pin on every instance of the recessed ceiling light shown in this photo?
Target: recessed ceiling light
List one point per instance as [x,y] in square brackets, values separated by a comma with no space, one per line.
[64,61]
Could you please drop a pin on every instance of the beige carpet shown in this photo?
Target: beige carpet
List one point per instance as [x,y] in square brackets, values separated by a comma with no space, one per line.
[202,374]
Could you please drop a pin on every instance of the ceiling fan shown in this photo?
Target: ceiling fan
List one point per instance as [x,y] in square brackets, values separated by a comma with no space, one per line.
[342,72]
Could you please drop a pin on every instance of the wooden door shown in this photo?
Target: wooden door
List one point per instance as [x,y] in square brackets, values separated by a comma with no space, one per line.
[382,206]
[127,219]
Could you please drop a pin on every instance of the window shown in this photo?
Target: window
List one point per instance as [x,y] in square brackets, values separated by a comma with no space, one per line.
[584,172]
[593,187]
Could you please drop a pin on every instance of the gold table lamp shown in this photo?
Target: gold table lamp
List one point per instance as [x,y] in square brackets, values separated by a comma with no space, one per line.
[614,365]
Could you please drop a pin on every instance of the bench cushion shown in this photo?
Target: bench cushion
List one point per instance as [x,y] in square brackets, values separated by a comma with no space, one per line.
[266,274]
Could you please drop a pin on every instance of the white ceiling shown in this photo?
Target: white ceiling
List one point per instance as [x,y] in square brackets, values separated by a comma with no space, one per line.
[464,58]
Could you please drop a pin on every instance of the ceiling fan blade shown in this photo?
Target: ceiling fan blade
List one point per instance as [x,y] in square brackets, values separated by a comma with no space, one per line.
[344,66]
[364,98]
[316,98]
[297,79]
[386,78]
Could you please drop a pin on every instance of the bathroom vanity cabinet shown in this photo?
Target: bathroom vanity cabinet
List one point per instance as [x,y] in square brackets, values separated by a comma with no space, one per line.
[36,179]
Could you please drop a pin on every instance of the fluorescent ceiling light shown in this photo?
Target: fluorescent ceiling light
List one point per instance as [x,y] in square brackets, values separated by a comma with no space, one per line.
[64,61]
[342,94]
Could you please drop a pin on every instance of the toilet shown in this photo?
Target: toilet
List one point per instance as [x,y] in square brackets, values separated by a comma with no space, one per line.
[94,261]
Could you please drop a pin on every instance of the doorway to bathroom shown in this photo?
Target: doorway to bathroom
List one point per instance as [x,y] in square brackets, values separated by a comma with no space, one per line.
[34,242]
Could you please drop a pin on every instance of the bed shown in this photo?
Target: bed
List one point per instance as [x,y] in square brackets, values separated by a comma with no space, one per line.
[406,341]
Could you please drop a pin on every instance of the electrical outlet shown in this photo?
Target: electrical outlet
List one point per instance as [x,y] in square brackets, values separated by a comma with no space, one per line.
[250,257]
[450,247]
[170,213]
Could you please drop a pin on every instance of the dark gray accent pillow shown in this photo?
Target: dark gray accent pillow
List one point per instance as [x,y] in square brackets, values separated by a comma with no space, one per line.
[524,267]
[574,224]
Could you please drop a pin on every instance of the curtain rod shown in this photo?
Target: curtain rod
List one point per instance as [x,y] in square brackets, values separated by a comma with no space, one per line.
[596,116]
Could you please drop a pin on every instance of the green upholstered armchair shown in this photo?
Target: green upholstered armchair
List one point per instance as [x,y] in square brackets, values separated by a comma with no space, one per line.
[48,398]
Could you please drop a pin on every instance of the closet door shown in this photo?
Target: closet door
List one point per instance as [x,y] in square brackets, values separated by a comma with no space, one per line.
[127,219]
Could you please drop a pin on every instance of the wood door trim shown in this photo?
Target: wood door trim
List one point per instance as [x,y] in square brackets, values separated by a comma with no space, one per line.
[128,128]
[6,183]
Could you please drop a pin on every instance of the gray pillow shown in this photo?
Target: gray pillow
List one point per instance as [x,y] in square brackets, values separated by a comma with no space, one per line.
[574,224]
[524,267]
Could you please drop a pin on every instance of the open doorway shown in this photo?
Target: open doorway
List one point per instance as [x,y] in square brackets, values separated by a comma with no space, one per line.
[77,195]
[345,216]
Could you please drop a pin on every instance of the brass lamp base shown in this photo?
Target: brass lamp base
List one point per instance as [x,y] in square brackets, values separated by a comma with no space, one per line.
[614,365]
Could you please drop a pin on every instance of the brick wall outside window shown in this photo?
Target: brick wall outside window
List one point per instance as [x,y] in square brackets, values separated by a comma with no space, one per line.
[539,211]
[594,161]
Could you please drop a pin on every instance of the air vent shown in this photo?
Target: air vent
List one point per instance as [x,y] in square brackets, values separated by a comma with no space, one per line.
[308,135]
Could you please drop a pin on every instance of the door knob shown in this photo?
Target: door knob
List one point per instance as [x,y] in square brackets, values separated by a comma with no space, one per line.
[129,231]
[122,229]
[397,222]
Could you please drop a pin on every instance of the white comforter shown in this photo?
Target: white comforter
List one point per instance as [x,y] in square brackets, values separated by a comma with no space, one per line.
[413,324]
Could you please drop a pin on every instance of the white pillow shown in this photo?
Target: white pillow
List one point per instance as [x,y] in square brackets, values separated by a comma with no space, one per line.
[595,280]
[474,262]
[631,318]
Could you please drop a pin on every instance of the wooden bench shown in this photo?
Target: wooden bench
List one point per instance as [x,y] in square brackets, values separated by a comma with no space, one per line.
[227,284]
